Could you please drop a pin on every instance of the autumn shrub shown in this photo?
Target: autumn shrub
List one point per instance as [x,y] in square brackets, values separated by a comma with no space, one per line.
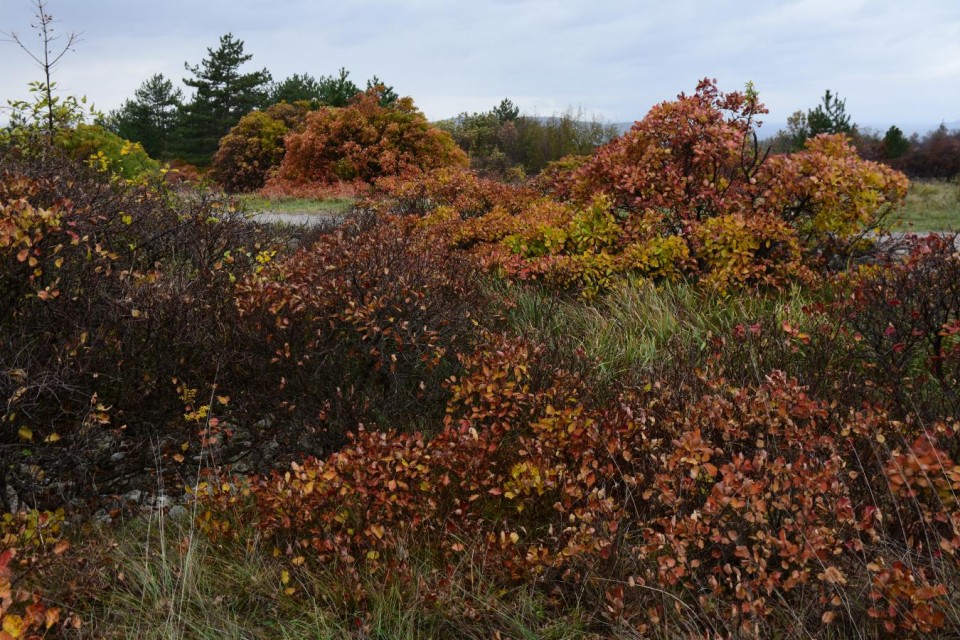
[107,151]
[738,512]
[688,193]
[115,300]
[904,318]
[255,146]
[361,142]
[935,155]
[361,327]
[458,190]
[830,196]
[696,158]
[29,540]
[790,516]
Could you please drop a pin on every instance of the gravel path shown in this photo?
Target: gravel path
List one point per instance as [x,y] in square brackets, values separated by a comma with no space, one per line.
[299,219]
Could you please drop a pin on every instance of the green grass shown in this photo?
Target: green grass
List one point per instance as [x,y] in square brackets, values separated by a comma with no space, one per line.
[629,328]
[932,206]
[303,206]
[168,581]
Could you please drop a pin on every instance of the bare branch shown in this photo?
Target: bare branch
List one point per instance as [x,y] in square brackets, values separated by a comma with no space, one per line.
[49,56]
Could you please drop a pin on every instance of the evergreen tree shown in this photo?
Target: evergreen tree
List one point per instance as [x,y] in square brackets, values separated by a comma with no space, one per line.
[506,111]
[338,91]
[387,95]
[223,95]
[895,144]
[829,117]
[296,88]
[151,117]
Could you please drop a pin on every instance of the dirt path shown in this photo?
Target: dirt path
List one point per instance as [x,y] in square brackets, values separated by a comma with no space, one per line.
[299,219]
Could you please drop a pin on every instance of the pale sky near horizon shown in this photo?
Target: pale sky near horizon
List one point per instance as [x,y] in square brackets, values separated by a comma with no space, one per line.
[894,62]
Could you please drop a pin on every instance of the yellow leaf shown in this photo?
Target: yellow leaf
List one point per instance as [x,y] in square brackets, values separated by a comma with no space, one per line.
[53,437]
[13,625]
[284,577]
[26,433]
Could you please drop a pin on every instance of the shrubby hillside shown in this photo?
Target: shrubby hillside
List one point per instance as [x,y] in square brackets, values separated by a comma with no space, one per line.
[671,387]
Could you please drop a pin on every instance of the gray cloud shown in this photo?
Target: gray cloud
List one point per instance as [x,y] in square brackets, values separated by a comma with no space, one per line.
[894,62]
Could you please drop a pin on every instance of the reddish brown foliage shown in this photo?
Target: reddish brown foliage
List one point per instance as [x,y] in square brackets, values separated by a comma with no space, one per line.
[686,192]
[255,146]
[362,142]
[362,324]
[739,504]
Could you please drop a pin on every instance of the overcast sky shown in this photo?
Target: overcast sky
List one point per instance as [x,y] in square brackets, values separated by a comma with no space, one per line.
[895,61]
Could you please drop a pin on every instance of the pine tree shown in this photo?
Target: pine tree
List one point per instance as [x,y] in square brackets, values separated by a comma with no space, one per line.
[151,117]
[829,117]
[297,88]
[895,144]
[387,95]
[506,111]
[223,95]
[338,91]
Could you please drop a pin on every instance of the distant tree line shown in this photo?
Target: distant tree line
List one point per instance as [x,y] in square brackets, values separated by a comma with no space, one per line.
[501,141]
[934,155]
[170,125]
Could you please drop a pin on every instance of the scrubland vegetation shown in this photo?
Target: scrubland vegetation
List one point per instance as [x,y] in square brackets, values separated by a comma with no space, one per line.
[674,385]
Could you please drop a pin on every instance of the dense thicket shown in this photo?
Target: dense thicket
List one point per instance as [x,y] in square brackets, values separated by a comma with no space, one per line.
[687,191]
[413,404]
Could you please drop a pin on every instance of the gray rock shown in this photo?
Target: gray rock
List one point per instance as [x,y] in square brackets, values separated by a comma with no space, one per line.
[133,496]
[13,500]
[162,501]
[178,512]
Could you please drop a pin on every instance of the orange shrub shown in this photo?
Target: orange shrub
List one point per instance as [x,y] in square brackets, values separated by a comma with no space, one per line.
[255,146]
[362,142]
[686,192]
[829,194]
[462,190]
